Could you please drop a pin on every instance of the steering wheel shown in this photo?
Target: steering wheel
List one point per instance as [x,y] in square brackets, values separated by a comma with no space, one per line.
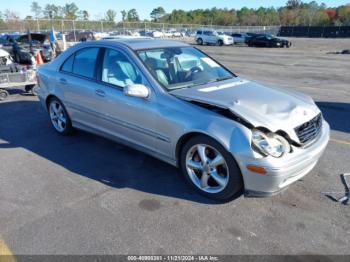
[196,69]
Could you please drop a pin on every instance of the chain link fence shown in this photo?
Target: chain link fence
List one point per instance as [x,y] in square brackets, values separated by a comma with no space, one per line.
[44,25]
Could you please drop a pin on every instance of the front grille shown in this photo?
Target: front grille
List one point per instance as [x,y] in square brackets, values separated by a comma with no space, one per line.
[309,130]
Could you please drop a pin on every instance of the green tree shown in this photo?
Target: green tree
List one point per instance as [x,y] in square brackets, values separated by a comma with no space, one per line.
[110,15]
[70,11]
[51,11]
[85,15]
[123,12]
[36,9]
[308,13]
[343,14]
[157,13]
[247,16]
[133,16]
[10,15]
[293,4]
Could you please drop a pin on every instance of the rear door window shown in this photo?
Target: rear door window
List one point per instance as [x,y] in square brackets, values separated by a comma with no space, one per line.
[68,64]
[85,62]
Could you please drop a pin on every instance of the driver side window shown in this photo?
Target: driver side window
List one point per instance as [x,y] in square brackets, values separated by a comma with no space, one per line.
[118,70]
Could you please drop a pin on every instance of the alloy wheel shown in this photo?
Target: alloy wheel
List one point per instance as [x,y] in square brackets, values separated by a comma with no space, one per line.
[58,116]
[207,168]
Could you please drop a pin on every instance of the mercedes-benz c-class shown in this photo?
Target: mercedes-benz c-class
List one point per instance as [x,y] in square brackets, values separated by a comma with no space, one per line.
[172,101]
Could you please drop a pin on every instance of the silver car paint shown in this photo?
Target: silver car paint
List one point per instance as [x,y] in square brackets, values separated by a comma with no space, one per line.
[156,125]
[270,108]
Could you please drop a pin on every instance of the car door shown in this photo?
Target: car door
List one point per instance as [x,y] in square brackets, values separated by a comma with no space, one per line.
[131,119]
[205,36]
[80,92]
[260,41]
[236,38]
[212,38]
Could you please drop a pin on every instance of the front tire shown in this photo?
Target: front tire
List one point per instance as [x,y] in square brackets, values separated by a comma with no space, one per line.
[59,117]
[210,169]
[200,41]
[220,43]
[30,89]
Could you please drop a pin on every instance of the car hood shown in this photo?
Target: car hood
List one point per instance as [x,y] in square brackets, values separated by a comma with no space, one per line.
[273,108]
[280,40]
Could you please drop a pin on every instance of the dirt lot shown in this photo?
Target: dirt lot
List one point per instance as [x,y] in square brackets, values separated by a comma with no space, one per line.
[87,195]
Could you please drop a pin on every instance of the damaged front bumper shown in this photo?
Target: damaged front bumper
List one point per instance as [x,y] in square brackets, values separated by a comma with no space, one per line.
[281,172]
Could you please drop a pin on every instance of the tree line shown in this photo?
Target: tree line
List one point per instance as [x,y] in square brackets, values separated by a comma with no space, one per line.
[295,12]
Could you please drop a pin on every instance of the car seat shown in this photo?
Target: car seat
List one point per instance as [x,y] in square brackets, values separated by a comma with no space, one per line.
[152,64]
[113,73]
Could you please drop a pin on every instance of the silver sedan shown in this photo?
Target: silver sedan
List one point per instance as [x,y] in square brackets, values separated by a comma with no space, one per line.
[174,102]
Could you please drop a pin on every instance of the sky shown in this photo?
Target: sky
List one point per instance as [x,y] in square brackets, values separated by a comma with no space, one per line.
[97,8]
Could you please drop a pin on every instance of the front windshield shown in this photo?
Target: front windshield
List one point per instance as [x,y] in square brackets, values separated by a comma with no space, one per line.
[182,67]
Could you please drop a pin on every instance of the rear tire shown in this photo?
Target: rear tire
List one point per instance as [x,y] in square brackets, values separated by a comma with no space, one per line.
[210,169]
[220,43]
[3,94]
[200,41]
[59,117]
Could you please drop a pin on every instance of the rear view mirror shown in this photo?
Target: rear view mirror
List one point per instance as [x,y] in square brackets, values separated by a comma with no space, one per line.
[136,90]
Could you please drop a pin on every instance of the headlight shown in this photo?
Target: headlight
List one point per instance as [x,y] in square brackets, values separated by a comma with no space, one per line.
[270,143]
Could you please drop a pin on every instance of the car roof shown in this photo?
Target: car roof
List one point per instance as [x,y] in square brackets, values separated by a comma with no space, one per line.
[143,43]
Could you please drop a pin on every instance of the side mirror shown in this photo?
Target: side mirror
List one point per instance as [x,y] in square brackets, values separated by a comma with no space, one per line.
[136,90]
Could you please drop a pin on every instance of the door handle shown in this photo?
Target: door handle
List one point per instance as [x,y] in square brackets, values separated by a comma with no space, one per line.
[63,81]
[100,92]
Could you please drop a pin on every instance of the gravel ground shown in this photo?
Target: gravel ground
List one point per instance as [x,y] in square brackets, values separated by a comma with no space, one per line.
[87,195]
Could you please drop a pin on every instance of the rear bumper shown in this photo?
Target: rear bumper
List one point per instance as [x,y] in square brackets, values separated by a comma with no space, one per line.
[284,171]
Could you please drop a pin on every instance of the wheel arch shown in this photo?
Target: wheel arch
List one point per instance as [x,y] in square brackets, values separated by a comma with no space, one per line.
[186,137]
[48,98]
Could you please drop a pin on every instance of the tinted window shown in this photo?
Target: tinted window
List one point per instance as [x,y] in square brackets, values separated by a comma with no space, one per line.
[118,70]
[68,64]
[84,62]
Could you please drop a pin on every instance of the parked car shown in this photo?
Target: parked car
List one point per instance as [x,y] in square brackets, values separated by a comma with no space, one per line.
[174,102]
[23,48]
[19,55]
[176,33]
[156,34]
[36,42]
[240,38]
[80,36]
[268,41]
[212,37]
[5,58]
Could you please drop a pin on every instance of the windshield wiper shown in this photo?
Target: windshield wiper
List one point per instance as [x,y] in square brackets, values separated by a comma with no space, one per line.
[203,83]
[223,78]
[217,80]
